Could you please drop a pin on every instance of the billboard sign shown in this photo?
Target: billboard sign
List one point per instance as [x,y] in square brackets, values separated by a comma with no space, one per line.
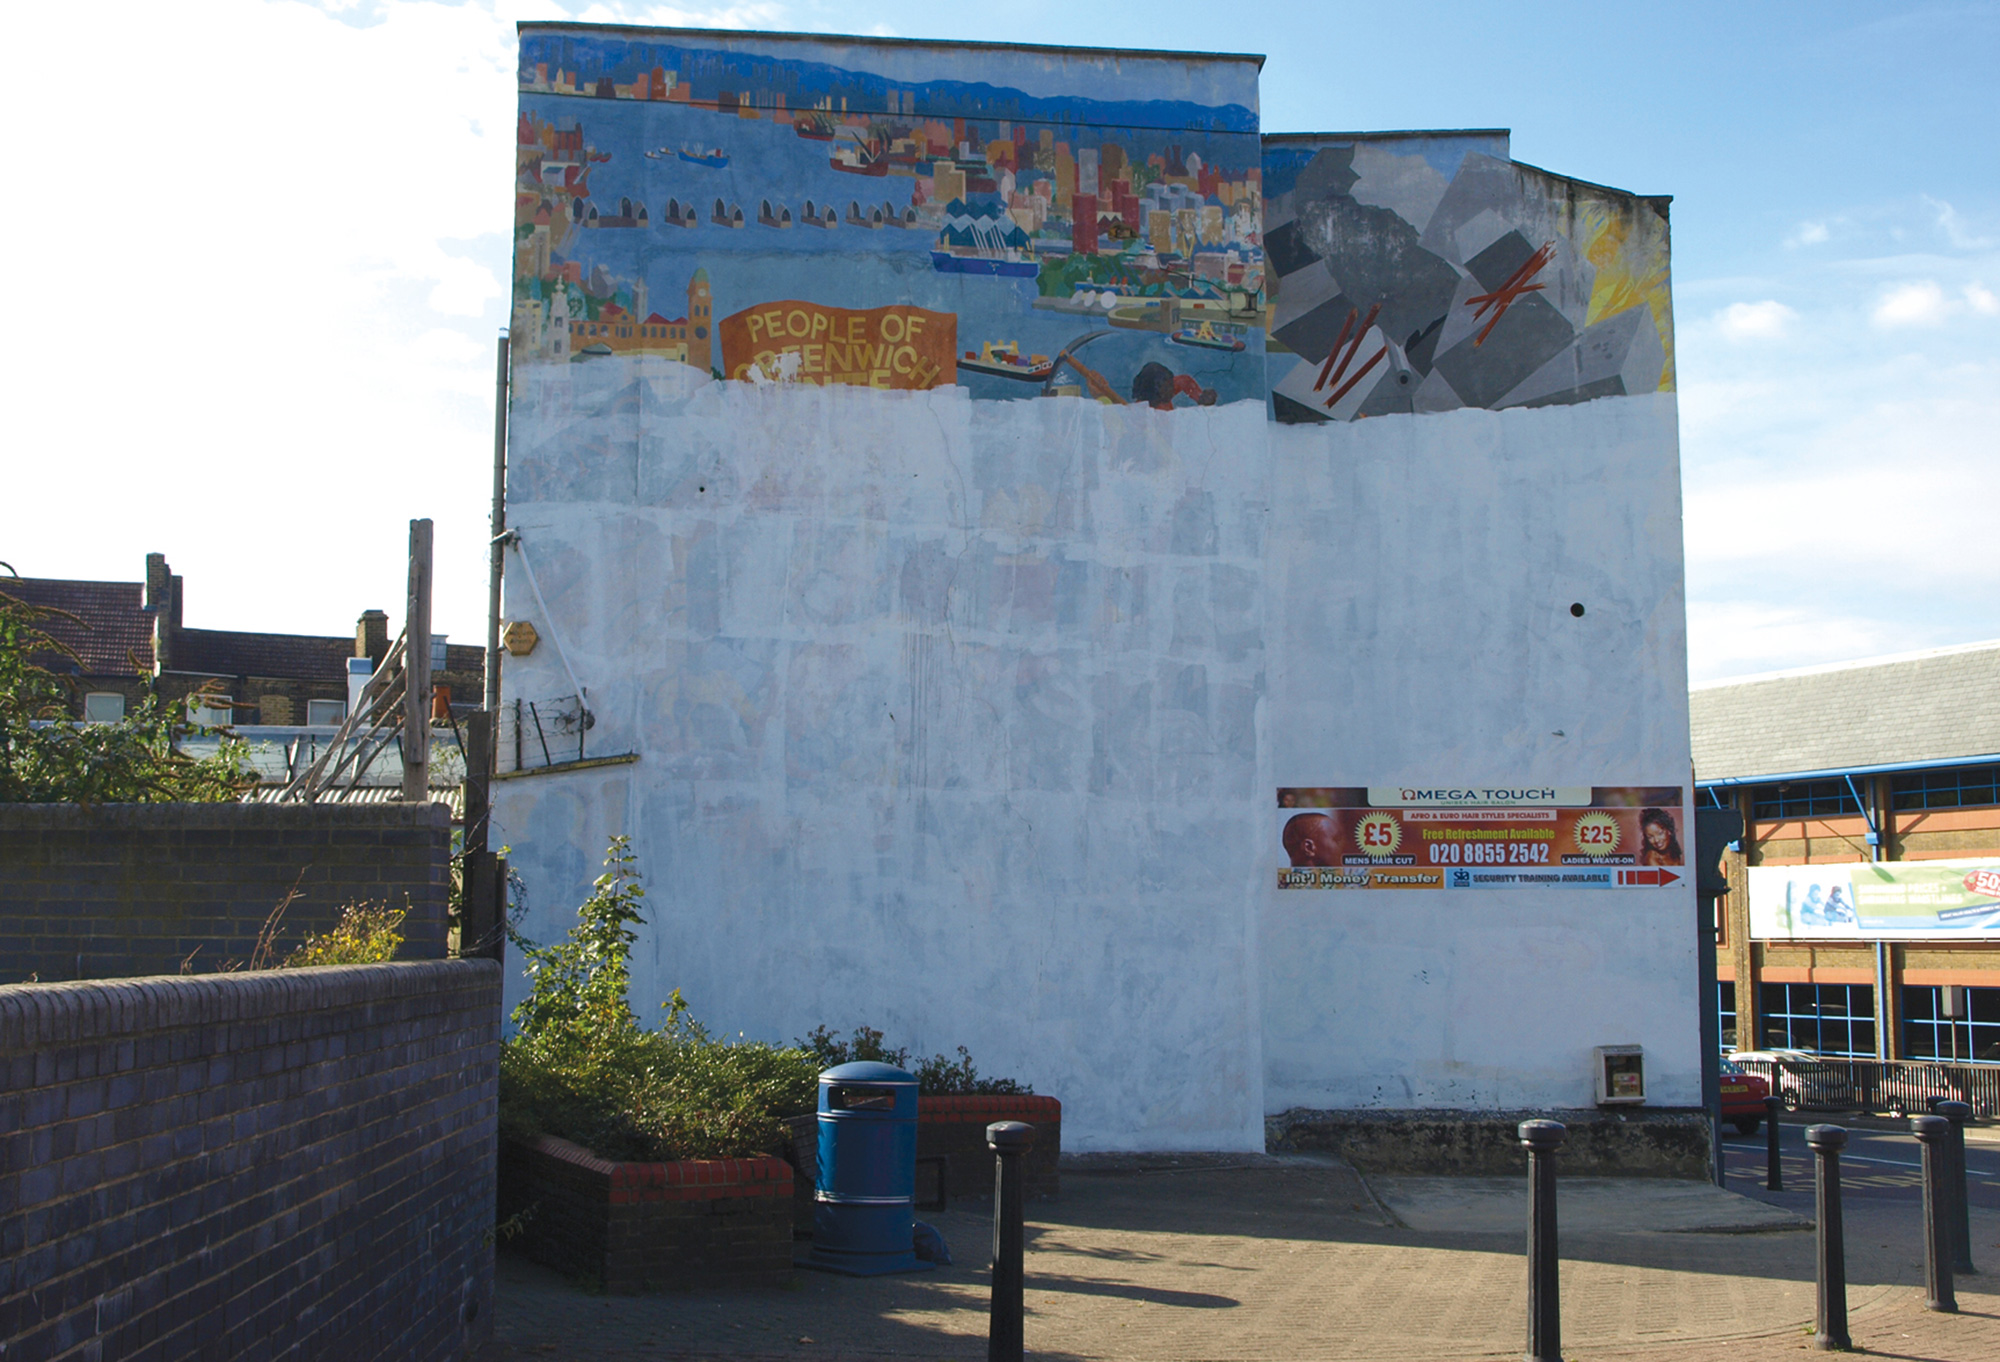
[1481,837]
[1954,900]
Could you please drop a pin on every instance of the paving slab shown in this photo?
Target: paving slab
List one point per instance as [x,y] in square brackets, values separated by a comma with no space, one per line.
[1258,1258]
[1583,1206]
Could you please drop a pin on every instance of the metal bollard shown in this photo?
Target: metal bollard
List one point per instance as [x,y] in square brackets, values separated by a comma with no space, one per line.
[1542,1139]
[1830,1314]
[1008,1140]
[1934,1132]
[1774,1172]
[1958,1113]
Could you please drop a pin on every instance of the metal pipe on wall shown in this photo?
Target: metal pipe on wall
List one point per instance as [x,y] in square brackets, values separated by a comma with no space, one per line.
[497,551]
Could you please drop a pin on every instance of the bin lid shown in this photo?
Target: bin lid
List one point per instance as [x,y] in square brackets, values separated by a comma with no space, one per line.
[866,1071]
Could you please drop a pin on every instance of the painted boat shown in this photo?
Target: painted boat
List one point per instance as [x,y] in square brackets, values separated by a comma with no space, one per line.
[858,160]
[1003,359]
[1209,336]
[714,158]
[1011,265]
[813,126]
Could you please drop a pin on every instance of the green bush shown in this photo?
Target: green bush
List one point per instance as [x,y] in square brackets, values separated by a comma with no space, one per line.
[581,1067]
[938,1076]
[367,934]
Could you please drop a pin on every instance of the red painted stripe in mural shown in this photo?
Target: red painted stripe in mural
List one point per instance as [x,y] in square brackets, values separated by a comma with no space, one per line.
[1510,292]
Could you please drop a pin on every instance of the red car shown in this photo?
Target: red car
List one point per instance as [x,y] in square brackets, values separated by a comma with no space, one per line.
[1743,1097]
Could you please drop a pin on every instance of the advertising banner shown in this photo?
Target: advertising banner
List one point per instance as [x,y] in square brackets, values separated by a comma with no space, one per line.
[1955,900]
[1481,837]
[875,347]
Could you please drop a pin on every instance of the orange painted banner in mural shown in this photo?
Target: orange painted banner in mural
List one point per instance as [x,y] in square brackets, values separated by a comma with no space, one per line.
[876,347]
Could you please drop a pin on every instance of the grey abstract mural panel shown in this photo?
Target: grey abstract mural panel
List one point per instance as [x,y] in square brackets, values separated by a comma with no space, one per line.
[1427,272]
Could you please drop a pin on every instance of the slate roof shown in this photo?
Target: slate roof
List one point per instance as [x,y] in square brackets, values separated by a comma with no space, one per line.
[228,652]
[1917,707]
[116,627]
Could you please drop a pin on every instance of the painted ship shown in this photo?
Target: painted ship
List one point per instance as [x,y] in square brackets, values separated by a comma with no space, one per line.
[856,157]
[813,125]
[1009,264]
[1003,359]
[713,157]
[1209,336]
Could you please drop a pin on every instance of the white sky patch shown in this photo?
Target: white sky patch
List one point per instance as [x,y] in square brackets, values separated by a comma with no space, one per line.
[1741,638]
[1809,234]
[1767,320]
[320,267]
[1982,300]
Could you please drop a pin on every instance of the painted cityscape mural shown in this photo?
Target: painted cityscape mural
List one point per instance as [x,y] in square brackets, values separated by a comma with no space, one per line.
[1098,225]
[1427,272]
[767,218]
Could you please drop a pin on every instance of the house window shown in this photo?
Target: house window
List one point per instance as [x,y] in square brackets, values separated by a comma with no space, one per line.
[1725,1010]
[211,711]
[325,713]
[103,707]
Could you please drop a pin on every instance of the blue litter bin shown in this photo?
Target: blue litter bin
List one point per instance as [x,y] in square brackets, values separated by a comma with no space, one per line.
[865,1208]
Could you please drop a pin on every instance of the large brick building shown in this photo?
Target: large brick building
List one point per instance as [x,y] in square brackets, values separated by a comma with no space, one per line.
[1890,760]
[128,636]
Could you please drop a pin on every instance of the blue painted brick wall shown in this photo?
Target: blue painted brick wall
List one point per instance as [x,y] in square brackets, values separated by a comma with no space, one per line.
[124,890]
[294,1163]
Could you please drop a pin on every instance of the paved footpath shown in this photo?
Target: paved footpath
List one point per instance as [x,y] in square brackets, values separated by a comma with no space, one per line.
[1220,1260]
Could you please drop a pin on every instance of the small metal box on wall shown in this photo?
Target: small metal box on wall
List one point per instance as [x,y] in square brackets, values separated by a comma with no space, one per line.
[1621,1075]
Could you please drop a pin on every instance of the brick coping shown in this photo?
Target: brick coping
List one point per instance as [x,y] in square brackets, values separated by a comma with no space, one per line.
[36,1015]
[225,816]
[1029,1106]
[762,1175]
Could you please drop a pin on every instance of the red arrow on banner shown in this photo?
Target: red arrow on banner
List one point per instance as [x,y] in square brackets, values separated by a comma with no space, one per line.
[1647,877]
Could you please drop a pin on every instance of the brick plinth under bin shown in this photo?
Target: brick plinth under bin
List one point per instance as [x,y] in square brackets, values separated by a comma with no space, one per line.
[956,1127]
[649,1226]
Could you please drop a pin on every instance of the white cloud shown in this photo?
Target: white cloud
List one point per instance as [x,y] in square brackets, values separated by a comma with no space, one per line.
[1954,227]
[1809,234]
[1982,300]
[1767,320]
[1921,303]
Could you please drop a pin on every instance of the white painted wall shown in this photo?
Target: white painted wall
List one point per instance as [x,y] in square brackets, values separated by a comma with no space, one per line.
[963,719]
[1421,572]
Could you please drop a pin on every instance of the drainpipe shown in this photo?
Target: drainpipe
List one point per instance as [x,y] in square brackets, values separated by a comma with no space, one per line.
[496,551]
[1881,947]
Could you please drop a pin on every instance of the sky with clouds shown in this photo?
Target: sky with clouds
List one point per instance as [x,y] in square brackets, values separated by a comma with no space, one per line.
[292,219]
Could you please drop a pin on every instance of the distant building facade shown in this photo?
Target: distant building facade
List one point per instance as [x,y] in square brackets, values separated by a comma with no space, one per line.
[1890,764]
[128,637]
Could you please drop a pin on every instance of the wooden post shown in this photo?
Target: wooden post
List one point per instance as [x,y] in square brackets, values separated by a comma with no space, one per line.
[417,669]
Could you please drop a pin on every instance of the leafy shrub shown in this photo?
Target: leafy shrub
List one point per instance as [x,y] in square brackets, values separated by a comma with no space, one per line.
[367,934]
[581,1067]
[938,1076]
[48,758]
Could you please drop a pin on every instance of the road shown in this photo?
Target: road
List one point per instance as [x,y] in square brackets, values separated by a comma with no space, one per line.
[1877,1163]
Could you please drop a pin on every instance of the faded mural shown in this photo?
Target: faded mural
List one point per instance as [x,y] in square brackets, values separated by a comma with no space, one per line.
[681,199]
[1426,272]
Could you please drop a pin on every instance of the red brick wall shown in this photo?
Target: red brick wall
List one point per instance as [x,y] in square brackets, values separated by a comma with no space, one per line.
[956,1126]
[644,1226]
[293,1163]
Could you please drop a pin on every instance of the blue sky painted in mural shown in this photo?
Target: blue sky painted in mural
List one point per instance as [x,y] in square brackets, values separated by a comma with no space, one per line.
[1836,259]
